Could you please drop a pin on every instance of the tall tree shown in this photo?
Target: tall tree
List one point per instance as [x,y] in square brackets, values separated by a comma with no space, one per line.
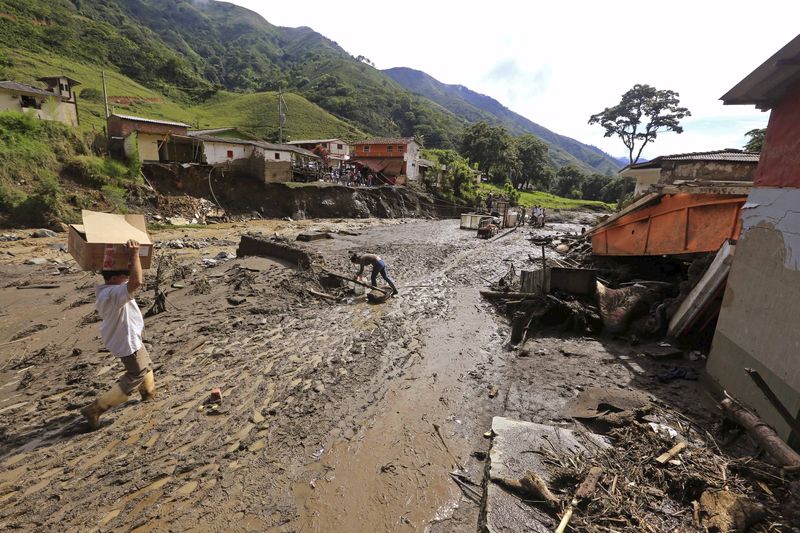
[533,162]
[486,145]
[568,182]
[642,113]
[756,142]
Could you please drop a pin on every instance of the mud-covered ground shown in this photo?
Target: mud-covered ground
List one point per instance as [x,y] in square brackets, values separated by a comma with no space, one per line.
[336,416]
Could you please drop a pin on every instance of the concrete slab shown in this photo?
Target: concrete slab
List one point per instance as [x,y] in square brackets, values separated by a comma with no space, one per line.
[514,452]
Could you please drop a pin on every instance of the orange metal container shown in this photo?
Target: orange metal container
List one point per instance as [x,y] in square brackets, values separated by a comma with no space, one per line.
[678,224]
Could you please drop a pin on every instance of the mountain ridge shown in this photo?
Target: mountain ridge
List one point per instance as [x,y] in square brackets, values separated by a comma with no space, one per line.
[192,51]
[474,106]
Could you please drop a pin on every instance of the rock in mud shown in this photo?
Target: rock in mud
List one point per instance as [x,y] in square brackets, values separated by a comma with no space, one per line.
[727,512]
[41,233]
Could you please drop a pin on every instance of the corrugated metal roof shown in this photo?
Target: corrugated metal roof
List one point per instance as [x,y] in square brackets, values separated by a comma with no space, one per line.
[27,89]
[729,155]
[72,81]
[260,144]
[388,140]
[317,141]
[150,120]
[195,133]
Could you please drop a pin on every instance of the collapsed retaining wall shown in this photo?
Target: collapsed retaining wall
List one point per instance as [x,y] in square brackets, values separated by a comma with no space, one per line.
[238,194]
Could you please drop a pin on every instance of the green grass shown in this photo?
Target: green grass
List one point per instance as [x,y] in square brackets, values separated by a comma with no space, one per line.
[546,200]
[256,113]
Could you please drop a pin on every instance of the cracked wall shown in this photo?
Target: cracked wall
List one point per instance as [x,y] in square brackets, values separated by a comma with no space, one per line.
[757,325]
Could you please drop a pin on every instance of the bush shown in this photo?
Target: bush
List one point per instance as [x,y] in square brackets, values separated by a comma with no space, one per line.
[95,171]
[91,94]
[43,207]
[115,196]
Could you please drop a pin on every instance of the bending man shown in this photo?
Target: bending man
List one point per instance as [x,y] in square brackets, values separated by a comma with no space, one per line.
[378,267]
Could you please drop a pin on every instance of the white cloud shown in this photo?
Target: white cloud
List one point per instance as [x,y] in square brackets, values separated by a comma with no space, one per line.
[559,62]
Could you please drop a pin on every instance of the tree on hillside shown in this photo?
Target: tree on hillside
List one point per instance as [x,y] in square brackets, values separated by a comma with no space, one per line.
[642,113]
[756,142]
[592,186]
[457,178]
[568,182]
[533,162]
[486,145]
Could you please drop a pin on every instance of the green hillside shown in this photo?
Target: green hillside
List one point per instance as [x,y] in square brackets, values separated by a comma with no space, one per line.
[192,60]
[253,112]
[190,51]
[473,107]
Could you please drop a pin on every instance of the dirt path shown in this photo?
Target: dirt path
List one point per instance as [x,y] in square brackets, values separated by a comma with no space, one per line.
[330,410]
[298,375]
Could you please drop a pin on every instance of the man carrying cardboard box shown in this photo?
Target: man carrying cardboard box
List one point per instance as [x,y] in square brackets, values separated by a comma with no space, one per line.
[121,332]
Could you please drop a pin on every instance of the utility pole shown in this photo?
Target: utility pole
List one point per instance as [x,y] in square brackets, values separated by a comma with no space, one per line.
[105,94]
[281,115]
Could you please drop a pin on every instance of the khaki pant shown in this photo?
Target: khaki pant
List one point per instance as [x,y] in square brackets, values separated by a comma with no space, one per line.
[136,366]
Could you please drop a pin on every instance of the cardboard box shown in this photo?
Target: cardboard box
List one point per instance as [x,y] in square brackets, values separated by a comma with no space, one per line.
[99,243]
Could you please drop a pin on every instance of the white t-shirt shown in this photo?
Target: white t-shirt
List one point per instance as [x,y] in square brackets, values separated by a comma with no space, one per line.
[122,325]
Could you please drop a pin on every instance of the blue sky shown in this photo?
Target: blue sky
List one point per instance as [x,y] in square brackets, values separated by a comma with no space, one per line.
[557,63]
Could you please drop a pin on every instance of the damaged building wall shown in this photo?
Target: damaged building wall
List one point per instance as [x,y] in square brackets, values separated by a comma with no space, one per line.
[218,152]
[757,326]
[672,171]
[757,323]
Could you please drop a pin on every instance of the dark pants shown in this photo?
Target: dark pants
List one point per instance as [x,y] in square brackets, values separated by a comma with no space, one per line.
[380,268]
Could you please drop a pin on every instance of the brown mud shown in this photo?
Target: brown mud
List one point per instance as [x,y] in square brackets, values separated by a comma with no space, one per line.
[336,416]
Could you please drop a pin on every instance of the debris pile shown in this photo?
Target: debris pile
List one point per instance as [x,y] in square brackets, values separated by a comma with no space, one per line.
[650,481]
[637,297]
[197,244]
[183,210]
[652,470]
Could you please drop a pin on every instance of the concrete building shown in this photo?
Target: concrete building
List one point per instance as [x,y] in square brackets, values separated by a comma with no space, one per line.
[395,158]
[235,157]
[338,150]
[146,135]
[719,165]
[57,102]
[757,326]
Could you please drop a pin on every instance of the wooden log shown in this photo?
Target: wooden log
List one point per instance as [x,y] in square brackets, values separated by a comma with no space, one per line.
[766,437]
[589,484]
[500,295]
[367,285]
[321,294]
[585,490]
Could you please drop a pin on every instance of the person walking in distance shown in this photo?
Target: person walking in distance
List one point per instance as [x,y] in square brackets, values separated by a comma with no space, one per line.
[121,332]
[378,267]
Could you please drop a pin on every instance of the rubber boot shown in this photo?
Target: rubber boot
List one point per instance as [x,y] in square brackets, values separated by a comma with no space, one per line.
[394,289]
[110,399]
[148,387]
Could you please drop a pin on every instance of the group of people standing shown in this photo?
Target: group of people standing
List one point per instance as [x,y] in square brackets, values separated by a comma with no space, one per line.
[350,177]
[537,216]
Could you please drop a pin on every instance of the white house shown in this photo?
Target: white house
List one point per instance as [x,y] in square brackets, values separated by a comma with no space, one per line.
[58,102]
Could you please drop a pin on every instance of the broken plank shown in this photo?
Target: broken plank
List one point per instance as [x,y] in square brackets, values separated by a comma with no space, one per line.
[675,450]
[702,293]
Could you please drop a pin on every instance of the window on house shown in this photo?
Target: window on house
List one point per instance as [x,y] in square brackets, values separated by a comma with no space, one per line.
[338,146]
[230,154]
[390,148]
[29,101]
[64,87]
[366,148]
[400,147]
[277,155]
